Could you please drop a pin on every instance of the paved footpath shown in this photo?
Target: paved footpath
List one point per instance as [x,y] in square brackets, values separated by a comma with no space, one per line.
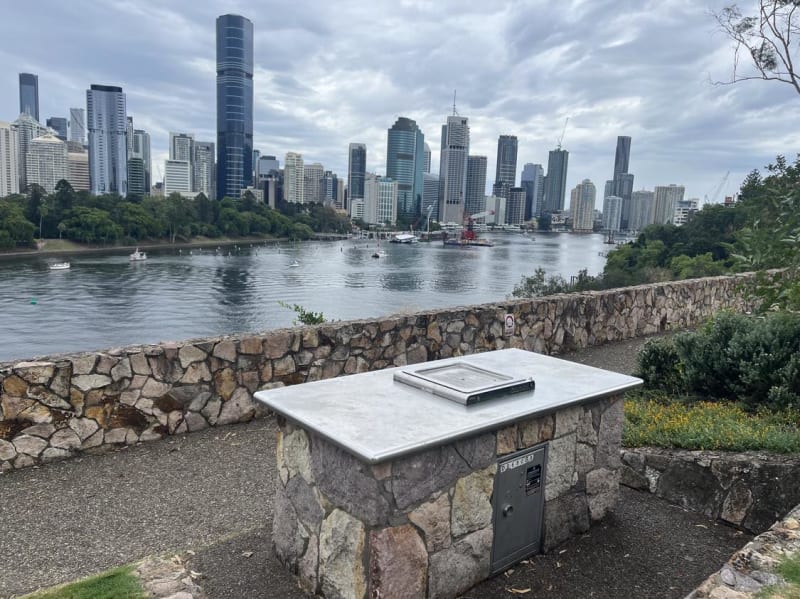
[211,492]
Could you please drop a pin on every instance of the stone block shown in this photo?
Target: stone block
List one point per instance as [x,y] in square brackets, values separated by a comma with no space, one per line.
[586,432]
[507,440]
[7,450]
[341,556]
[15,386]
[295,456]
[433,518]
[35,373]
[84,364]
[602,489]
[277,344]
[240,408]
[306,503]
[460,566]
[567,420]
[86,382]
[477,452]
[65,438]
[472,501]
[536,430]
[737,503]
[398,563]
[565,517]
[30,446]
[43,430]
[419,476]
[287,535]
[609,435]
[225,350]
[560,466]
[225,383]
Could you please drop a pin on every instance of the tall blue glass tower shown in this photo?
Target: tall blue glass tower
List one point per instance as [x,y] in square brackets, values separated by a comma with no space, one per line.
[405,156]
[29,94]
[234,104]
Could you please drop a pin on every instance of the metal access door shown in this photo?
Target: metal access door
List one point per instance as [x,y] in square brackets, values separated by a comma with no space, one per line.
[518,506]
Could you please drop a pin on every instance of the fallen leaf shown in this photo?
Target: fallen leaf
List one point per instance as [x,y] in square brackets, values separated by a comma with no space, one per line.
[562,551]
[521,591]
[247,553]
[701,526]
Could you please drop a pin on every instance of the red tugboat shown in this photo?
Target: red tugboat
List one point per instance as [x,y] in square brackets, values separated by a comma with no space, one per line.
[468,236]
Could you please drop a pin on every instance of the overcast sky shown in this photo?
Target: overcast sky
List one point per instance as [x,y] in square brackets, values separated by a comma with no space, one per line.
[330,73]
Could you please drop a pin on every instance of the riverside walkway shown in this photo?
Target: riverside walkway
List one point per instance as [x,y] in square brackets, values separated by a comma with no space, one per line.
[211,493]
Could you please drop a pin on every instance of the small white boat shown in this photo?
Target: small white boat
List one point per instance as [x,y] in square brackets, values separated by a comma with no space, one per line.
[138,256]
[60,266]
[294,264]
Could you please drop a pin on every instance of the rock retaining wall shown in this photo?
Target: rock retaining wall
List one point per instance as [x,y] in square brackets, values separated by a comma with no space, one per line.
[55,407]
[749,490]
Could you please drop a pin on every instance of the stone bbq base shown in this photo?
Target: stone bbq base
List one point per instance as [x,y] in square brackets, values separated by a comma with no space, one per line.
[420,525]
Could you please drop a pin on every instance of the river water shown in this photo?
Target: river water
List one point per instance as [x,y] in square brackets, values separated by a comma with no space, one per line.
[107,301]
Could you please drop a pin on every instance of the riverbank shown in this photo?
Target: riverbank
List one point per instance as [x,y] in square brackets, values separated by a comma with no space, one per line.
[60,248]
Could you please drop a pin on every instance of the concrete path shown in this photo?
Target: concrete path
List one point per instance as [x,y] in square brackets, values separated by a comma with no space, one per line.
[212,492]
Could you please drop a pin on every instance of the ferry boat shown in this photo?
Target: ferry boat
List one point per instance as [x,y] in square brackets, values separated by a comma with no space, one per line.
[60,266]
[138,256]
[404,238]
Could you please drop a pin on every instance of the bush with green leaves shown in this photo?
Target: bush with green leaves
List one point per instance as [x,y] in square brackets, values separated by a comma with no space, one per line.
[755,360]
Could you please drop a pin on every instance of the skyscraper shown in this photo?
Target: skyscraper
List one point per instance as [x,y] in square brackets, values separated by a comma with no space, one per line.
[234,104]
[515,206]
[293,178]
[27,129]
[59,125]
[430,195]
[612,213]
[622,185]
[356,171]
[108,145]
[581,206]
[475,200]
[453,169]
[532,180]
[29,94]
[555,187]
[177,177]
[380,200]
[506,170]
[140,148]
[78,170]
[203,168]
[426,158]
[181,146]
[641,210]
[46,162]
[312,181]
[9,169]
[665,200]
[405,158]
[77,125]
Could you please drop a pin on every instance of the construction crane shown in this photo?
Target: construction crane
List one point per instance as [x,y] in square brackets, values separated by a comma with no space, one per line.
[563,131]
[717,191]
[469,221]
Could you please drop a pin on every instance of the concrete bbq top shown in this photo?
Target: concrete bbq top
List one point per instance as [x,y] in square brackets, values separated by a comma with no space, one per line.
[377,419]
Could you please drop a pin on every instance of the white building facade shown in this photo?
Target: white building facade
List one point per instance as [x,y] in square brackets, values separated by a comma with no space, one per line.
[46,162]
[177,177]
[9,167]
[293,178]
[581,206]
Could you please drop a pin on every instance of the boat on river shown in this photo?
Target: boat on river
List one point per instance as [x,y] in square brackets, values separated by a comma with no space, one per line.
[137,256]
[60,266]
[404,238]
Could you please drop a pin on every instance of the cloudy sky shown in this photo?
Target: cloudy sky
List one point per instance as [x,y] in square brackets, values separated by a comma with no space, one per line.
[331,73]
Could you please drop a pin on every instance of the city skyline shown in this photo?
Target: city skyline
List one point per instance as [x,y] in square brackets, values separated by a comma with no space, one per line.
[314,93]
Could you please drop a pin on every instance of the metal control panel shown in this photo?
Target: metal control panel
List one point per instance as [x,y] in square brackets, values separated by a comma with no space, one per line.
[518,504]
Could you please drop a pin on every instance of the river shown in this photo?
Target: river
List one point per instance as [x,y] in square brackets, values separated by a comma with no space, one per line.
[107,301]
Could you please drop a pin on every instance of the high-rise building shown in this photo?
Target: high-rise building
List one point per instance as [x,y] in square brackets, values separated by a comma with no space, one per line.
[256,157]
[329,189]
[203,170]
[581,206]
[181,146]
[178,177]
[555,186]
[612,213]
[380,200]
[641,210]
[475,200]
[453,169]
[622,184]
[108,144]
[426,158]
[356,170]
[685,210]
[293,178]
[405,162]
[27,128]
[430,195]
[312,179]
[506,170]
[46,162]
[59,125]
[136,178]
[532,180]
[623,155]
[9,169]
[77,125]
[234,104]
[78,170]
[666,198]
[515,206]
[140,148]
[268,165]
[29,94]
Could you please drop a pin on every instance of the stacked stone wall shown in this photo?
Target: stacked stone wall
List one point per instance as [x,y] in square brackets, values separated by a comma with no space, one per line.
[56,407]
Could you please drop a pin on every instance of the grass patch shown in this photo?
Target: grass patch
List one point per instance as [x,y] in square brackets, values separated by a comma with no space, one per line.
[659,421]
[789,568]
[119,583]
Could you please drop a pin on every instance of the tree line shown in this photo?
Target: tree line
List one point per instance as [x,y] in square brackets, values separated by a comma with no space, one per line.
[111,219]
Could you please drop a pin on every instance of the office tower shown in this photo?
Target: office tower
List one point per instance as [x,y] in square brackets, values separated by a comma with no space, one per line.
[497,207]
[685,210]
[641,210]
[380,200]
[501,189]
[515,206]
[405,162]
[666,197]
[129,135]
[612,213]
[46,162]
[293,178]
[623,155]
[532,180]
[622,184]
[329,189]
[77,125]
[9,169]
[78,170]
[59,125]
[555,186]
[136,178]
[356,171]
[234,104]
[203,169]
[430,195]
[453,169]
[581,206]
[256,156]
[312,178]
[506,170]
[178,177]
[268,165]
[181,146]
[426,158]
[475,200]
[27,128]
[140,148]
[29,94]
[108,146]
